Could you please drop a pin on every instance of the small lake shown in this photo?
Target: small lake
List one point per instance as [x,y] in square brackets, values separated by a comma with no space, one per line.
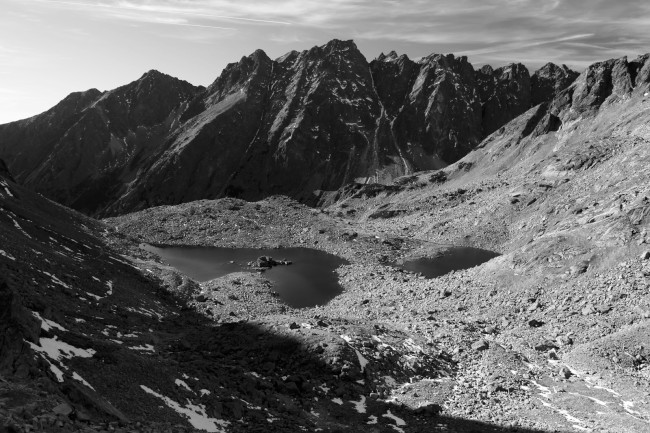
[310,280]
[453,259]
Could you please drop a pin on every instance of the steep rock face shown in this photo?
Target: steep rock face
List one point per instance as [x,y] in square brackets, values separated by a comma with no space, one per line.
[82,151]
[549,80]
[318,126]
[436,117]
[313,120]
[197,160]
[640,68]
[505,94]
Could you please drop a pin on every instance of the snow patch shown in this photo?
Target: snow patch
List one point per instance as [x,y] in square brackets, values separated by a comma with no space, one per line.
[182,384]
[58,350]
[563,412]
[97,298]
[78,378]
[196,414]
[337,401]
[145,348]
[360,405]
[6,188]
[362,361]
[7,255]
[46,324]
[57,372]
[398,421]
[56,280]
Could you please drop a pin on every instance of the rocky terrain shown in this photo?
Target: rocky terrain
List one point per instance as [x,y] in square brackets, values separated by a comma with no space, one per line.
[550,336]
[312,120]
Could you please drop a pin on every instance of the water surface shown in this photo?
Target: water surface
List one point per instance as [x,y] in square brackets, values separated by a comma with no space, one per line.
[310,280]
[453,259]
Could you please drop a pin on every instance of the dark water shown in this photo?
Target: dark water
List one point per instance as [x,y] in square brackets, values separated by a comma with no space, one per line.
[309,281]
[453,259]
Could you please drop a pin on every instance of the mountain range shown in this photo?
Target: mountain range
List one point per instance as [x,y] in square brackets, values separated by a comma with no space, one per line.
[306,122]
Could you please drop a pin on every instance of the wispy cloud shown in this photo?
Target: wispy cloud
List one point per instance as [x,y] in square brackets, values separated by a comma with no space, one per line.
[475,27]
[573,31]
[144,11]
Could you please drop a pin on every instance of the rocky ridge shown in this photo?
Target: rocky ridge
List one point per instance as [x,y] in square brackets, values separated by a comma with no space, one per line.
[308,121]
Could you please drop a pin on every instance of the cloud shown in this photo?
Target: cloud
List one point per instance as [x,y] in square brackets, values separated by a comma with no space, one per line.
[485,29]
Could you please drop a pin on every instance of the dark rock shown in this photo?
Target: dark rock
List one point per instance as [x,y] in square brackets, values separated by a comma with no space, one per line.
[480,345]
[545,346]
[17,327]
[294,325]
[63,409]
[292,388]
[534,323]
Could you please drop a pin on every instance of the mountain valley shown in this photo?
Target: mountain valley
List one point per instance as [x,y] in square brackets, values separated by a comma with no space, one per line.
[377,163]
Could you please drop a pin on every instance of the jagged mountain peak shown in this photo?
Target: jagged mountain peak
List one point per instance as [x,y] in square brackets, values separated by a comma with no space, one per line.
[392,55]
[288,56]
[340,45]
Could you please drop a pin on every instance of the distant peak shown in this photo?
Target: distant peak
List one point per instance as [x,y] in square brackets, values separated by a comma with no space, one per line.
[257,56]
[486,69]
[153,73]
[392,57]
[339,45]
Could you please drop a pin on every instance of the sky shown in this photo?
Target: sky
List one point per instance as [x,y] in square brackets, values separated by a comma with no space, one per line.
[50,48]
